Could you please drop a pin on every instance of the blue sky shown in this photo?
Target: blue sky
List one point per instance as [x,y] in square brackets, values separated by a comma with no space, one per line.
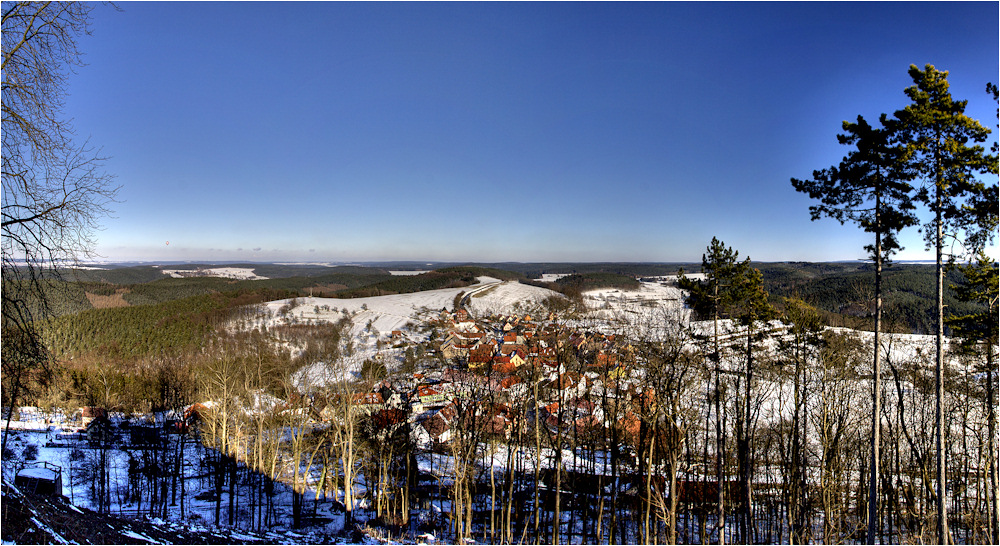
[322,131]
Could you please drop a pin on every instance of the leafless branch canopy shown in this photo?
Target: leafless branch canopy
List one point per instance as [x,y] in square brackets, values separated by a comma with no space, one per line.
[55,190]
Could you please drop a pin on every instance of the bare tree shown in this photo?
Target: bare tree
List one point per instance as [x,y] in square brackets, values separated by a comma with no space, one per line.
[55,191]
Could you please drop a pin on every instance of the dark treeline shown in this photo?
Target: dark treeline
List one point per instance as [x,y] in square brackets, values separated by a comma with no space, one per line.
[847,294]
[841,291]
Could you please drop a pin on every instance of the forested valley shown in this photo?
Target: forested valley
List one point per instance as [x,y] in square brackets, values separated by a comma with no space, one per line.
[618,429]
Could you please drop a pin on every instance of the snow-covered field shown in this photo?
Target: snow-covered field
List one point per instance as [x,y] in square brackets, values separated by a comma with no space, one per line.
[238,273]
[552,277]
[490,296]
[508,297]
[385,313]
[652,302]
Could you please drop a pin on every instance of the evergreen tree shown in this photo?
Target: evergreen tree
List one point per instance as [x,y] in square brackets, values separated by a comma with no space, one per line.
[715,297]
[979,332]
[870,187]
[752,310]
[938,136]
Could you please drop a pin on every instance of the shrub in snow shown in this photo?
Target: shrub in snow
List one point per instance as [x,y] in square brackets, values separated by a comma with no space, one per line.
[30,452]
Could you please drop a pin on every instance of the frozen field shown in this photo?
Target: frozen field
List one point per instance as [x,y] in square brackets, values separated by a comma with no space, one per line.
[238,273]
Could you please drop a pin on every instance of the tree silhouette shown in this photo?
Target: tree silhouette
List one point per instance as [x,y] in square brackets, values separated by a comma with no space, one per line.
[54,190]
[870,187]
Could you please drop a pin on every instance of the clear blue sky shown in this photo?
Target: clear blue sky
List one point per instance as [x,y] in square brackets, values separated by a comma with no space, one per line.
[498,131]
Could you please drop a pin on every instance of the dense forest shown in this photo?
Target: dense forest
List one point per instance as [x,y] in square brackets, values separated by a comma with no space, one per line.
[842,291]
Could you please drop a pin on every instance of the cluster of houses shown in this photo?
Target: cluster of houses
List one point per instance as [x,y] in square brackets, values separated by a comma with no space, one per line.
[494,366]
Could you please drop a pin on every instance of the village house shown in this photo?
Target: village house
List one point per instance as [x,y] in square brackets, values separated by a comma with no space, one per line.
[367,402]
[518,358]
[604,360]
[508,348]
[430,396]
[456,348]
[498,421]
[89,413]
[566,386]
[503,365]
[41,478]
[436,428]
[481,355]
[385,422]
[513,387]
[99,431]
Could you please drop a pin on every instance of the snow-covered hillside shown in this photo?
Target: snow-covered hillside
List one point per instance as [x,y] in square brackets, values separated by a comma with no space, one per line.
[508,297]
[397,311]
[238,273]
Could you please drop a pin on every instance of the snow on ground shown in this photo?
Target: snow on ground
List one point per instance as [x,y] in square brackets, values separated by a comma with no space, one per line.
[386,313]
[238,273]
[552,277]
[508,297]
[408,273]
[650,303]
[375,318]
[78,460]
[395,312]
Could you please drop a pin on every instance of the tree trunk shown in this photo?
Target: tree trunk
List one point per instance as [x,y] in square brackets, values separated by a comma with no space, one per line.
[942,508]
[991,425]
[720,435]
[876,389]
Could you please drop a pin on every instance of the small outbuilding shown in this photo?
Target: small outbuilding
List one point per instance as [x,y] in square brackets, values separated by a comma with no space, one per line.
[41,478]
[99,432]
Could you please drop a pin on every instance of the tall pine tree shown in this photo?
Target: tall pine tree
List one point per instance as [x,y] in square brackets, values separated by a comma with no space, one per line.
[753,311]
[870,187]
[944,150]
[714,297]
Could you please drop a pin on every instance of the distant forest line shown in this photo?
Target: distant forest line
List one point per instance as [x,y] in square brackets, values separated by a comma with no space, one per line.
[106,299]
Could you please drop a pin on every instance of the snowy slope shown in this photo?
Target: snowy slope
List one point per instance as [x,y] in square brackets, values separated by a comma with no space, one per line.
[508,297]
[386,313]
[610,309]
[395,312]
[238,273]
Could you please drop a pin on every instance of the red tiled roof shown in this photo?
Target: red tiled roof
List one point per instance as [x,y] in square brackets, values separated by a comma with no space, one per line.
[510,381]
[368,398]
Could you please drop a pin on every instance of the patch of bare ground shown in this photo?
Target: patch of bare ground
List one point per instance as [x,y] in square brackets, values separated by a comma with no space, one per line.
[325,290]
[106,302]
